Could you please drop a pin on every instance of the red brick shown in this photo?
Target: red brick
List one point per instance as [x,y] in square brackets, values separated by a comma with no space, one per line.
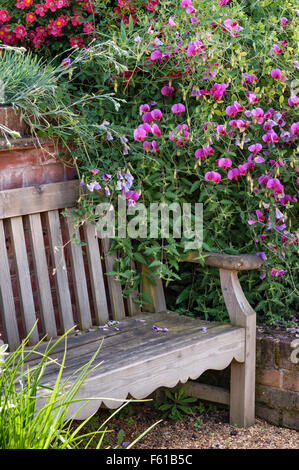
[54,173]
[12,179]
[291,380]
[34,176]
[71,173]
[23,157]
[271,377]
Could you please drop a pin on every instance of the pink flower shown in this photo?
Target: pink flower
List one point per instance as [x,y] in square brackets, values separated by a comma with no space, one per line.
[213,176]
[156,114]
[132,197]
[155,55]
[270,137]
[217,90]
[255,148]
[204,152]
[233,174]
[276,74]
[171,22]
[252,98]
[293,100]
[147,117]
[156,130]
[258,115]
[243,168]
[259,159]
[144,108]
[231,111]
[260,216]
[186,3]
[278,272]
[4,16]
[20,31]
[178,109]
[275,185]
[277,50]
[167,90]
[284,21]
[150,146]
[249,78]
[223,2]
[220,129]
[224,163]
[295,128]
[139,134]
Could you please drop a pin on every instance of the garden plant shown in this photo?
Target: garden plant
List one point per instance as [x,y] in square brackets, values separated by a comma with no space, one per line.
[208,97]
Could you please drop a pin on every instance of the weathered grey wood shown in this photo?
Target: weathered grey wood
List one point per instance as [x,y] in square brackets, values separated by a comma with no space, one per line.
[223,261]
[207,392]
[23,276]
[96,274]
[79,277]
[242,395]
[42,276]
[34,199]
[6,296]
[132,300]
[141,366]
[60,272]
[115,291]
[153,290]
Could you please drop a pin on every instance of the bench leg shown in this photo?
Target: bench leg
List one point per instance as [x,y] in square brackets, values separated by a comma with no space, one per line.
[242,386]
[242,395]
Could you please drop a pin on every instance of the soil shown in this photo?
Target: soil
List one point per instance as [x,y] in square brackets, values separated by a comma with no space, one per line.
[207,429]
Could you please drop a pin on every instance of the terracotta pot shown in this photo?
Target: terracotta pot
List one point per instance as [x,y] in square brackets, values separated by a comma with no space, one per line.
[13,120]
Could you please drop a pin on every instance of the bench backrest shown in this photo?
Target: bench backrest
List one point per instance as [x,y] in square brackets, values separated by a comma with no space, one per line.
[46,277]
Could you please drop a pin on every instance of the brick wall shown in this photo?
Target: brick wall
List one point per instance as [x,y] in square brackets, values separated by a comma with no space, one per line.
[277,380]
[277,377]
[31,162]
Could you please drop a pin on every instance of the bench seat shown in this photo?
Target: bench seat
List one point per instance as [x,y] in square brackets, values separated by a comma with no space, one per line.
[134,359]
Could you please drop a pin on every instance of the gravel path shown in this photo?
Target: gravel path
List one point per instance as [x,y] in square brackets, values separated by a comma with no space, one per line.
[211,431]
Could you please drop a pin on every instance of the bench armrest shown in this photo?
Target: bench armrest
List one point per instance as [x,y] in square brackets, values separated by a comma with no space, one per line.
[223,261]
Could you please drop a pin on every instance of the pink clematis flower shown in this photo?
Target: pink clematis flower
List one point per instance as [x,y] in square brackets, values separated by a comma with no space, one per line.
[213,176]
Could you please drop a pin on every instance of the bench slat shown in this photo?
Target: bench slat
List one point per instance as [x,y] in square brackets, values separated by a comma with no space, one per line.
[34,199]
[23,276]
[96,274]
[133,306]
[115,291]
[6,296]
[79,277]
[60,274]
[42,275]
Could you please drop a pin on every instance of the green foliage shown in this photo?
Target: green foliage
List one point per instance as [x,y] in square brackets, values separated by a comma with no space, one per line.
[175,403]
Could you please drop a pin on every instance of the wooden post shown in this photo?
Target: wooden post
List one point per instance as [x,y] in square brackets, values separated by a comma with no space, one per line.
[242,393]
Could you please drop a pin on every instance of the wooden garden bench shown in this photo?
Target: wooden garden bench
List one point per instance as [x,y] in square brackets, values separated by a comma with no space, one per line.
[66,286]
